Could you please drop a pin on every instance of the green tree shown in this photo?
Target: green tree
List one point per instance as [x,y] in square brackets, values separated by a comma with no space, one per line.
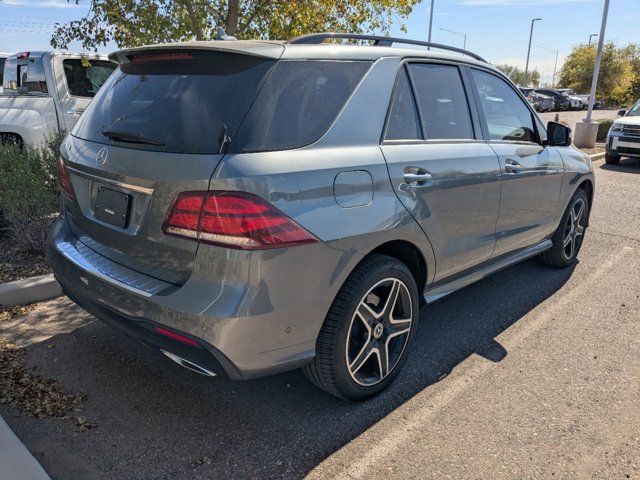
[131,23]
[619,72]
[516,75]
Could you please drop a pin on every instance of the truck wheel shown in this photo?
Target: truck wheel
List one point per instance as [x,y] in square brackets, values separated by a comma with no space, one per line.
[568,237]
[611,159]
[367,333]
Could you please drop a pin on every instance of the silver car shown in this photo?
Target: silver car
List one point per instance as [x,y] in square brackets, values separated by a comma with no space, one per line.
[251,207]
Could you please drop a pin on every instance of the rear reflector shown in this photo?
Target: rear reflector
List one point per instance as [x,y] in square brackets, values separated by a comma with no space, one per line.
[233,219]
[63,180]
[176,336]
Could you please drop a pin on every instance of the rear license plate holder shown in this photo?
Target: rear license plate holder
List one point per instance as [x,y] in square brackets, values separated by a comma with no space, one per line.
[112,207]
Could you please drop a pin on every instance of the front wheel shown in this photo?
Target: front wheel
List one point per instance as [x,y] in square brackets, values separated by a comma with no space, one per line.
[366,335]
[611,159]
[568,237]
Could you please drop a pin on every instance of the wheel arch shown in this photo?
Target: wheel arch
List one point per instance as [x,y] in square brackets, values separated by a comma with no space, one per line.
[587,186]
[409,254]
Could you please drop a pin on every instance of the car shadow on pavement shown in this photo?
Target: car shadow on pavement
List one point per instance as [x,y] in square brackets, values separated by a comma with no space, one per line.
[626,165]
[157,420]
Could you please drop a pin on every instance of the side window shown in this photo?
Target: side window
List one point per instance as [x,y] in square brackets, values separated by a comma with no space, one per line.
[403,123]
[10,80]
[85,77]
[33,79]
[1,71]
[506,115]
[443,102]
[298,103]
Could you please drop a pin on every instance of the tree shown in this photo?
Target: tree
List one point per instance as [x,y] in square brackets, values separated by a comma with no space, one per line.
[619,72]
[131,23]
[516,75]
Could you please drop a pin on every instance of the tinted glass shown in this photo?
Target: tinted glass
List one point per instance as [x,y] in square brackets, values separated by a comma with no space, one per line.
[185,102]
[298,103]
[403,123]
[442,100]
[32,76]
[10,80]
[506,114]
[1,71]
[85,77]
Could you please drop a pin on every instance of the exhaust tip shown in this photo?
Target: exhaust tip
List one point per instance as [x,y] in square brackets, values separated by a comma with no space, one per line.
[189,365]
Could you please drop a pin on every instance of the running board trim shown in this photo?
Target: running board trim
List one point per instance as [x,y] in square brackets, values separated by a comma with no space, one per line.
[444,290]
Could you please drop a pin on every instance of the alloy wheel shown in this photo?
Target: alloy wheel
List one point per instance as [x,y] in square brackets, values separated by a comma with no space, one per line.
[379,331]
[574,229]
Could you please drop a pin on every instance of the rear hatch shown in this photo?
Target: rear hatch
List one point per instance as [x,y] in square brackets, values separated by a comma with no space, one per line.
[158,127]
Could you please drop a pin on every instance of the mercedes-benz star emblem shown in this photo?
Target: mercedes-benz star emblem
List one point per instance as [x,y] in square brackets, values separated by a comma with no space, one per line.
[101,157]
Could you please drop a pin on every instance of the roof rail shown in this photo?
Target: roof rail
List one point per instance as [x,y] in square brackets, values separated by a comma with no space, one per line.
[379,41]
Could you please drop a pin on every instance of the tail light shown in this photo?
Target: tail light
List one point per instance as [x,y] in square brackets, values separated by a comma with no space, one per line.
[63,180]
[233,219]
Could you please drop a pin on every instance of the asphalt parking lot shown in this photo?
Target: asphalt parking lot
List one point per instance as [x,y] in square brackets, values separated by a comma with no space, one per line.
[531,373]
[574,116]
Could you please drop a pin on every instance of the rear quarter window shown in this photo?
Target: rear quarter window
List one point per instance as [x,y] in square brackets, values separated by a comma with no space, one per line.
[298,103]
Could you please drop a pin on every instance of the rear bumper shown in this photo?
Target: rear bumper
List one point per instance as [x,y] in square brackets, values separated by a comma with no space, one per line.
[262,325]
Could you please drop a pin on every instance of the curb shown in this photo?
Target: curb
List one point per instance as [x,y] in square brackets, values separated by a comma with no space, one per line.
[17,462]
[597,156]
[29,290]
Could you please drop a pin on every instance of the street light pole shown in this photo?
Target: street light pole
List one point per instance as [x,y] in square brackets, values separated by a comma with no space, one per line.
[526,67]
[555,65]
[591,36]
[596,68]
[430,21]
[587,130]
[463,35]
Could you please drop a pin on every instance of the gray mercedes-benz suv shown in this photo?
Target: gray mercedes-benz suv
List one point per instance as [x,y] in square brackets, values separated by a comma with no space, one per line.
[250,207]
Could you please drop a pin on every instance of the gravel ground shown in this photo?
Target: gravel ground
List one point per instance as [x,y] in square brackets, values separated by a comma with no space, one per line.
[530,373]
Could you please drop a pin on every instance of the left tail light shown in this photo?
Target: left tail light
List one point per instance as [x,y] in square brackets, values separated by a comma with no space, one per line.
[63,180]
[233,219]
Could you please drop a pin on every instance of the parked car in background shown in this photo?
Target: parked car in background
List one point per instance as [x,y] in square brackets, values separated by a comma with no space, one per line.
[542,103]
[251,207]
[46,92]
[585,101]
[623,139]
[561,100]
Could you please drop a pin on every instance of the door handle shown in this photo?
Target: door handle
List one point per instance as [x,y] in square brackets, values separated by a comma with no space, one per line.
[418,179]
[511,166]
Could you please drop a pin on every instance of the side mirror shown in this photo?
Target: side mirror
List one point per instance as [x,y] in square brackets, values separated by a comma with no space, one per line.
[558,135]
[622,112]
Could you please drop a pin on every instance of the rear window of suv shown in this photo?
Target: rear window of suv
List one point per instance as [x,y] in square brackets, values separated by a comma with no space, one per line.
[185,101]
[300,100]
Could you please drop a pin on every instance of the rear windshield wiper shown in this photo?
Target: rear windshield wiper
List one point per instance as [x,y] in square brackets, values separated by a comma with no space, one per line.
[131,137]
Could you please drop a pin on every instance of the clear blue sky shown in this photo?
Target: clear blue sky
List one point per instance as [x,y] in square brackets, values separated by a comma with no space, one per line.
[496,29]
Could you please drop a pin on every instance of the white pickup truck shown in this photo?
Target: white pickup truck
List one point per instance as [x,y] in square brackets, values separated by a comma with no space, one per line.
[46,92]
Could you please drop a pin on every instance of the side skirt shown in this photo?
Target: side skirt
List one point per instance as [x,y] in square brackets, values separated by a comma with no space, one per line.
[444,290]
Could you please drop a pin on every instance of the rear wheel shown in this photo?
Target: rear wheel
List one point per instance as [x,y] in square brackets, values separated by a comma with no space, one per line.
[567,239]
[611,159]
[367,333]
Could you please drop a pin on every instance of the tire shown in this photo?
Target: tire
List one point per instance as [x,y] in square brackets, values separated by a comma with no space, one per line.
[347,337]
[611,159]
[573,225]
